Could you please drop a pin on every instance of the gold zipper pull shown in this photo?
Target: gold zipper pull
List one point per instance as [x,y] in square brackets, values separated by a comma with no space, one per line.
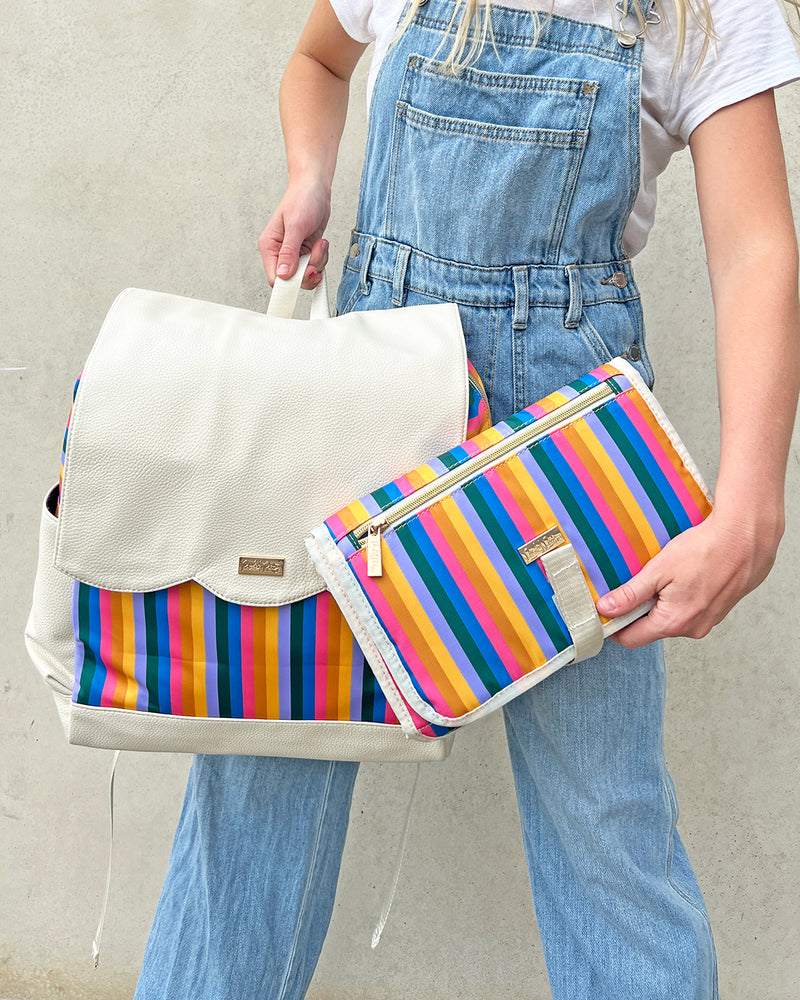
[374,566]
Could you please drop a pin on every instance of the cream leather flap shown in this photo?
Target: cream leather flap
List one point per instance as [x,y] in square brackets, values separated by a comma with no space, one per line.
[207,441]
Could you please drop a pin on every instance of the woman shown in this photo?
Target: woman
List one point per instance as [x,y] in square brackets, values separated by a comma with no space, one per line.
[512,170]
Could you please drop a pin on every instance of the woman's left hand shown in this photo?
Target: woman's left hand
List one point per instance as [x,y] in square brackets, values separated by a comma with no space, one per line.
[696,579]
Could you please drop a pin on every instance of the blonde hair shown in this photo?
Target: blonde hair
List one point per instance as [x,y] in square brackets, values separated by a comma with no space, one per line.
[475,25]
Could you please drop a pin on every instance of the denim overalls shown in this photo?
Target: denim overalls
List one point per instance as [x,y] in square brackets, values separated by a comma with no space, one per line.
[505,189]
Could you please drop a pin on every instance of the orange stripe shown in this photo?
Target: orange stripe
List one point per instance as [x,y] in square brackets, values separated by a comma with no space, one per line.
[332,658]
[187,647]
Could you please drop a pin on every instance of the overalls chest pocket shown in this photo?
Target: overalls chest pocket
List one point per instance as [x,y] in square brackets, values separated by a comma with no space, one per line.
[483,165]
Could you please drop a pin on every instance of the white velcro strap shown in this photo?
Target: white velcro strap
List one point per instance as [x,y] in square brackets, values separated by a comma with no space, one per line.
[574,601]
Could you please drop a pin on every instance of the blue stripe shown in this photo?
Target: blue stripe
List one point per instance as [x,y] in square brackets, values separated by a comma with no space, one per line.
[235,660]
[309,656]
[162,639]
[100,672]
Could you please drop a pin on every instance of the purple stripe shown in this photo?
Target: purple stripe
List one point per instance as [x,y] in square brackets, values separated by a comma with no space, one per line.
[438,466]
[443,630]
[284,661]
[371,505]
[648,510]
[79,651]
[140,653]
[510,582]
[356,681]
[210,637]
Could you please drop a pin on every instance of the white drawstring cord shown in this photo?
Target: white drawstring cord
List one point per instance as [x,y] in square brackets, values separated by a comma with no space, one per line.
[376,934]
[99,933]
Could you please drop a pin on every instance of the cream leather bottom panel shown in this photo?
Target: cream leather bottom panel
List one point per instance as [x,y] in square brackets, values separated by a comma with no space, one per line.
[119,729]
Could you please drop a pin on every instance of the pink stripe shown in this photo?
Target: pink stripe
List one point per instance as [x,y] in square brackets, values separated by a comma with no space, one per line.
[473,599]
[405,485]
[336,526]
[107,650]
[248,682]
[471,448]
[536,410]
[607,515]
[321,657]
[392,627]
[175,652]
[694,514]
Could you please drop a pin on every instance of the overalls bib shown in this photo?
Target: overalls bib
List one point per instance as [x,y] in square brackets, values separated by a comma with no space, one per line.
[506,189]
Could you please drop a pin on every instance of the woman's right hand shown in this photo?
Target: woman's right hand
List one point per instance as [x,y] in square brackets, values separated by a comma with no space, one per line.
[296,228]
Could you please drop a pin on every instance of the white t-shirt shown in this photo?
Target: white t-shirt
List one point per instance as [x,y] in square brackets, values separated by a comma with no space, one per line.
[754,52]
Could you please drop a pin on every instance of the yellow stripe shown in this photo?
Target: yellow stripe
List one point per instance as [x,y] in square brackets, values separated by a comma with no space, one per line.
[345,668]
[127,696]
[271,663]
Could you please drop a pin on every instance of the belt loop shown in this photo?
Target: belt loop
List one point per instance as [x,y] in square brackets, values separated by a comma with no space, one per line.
[520,298]
[575,310]
[399,277]
[366,258]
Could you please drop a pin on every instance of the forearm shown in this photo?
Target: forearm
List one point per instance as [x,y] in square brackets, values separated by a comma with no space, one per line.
[313,107]
[758,371]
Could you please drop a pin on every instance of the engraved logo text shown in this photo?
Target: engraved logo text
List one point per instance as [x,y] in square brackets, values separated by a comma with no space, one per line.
[260,566]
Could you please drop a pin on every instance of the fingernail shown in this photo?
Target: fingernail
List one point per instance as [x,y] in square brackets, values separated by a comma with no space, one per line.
[606,603]
[283,269]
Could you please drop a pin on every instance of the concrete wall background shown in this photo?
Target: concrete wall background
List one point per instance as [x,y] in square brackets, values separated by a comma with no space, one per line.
[142,147]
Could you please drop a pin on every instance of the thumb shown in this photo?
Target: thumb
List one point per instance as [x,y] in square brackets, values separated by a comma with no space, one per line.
[637,591]
[288,257]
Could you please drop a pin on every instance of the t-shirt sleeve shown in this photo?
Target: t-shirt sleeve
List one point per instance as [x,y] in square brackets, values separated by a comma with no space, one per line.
[753,51]
[355,16]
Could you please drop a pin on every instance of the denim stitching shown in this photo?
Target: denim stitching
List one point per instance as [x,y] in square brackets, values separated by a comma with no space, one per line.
[568,138]
[504,81]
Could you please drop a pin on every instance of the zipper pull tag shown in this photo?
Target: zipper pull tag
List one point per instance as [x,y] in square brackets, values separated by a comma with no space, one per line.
[374,565]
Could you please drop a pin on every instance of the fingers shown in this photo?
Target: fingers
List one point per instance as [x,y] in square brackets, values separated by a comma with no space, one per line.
[281,255]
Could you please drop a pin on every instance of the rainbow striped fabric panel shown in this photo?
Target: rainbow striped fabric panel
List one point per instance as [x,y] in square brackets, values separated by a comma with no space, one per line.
[183,651]
[465,614]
